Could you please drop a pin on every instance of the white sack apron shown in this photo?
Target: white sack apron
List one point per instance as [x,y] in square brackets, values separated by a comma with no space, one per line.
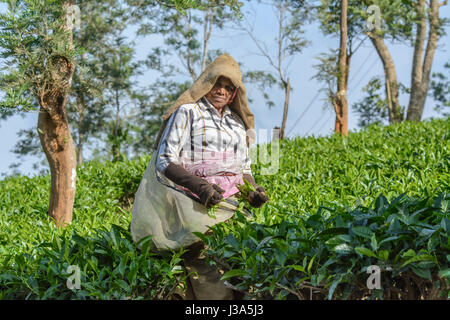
[170,216]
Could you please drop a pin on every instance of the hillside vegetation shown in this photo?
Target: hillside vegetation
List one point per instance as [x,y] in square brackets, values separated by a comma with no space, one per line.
[337,206]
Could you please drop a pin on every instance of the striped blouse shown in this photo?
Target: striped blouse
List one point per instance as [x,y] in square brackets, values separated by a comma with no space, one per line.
[196,131]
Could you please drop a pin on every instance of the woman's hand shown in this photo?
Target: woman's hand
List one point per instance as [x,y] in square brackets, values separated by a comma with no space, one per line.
[210,195]
[257,198]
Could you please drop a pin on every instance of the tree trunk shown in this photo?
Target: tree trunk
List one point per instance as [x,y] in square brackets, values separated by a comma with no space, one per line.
[286,107]
[343,69]
[395,112]
[416,75]
[56,139]
[79,150]
[208,24]
[81,136]
[117,133]
[189,57]
[421,71]
[337,110]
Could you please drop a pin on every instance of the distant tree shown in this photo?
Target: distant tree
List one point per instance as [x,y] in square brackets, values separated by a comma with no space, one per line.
[406,22]
[440,88]
[86,107]
[87,110]
[390,20]
[372,108]
[396,21]
[37,47]
[341,105]
[341,19]
[288,42]
[152,104]
[187,33]
[423,57]
[186,37]
[264,81]
[119,83]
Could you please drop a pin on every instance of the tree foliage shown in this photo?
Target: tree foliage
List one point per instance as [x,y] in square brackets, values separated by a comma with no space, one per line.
[32,41]
[440,89]
[372,108]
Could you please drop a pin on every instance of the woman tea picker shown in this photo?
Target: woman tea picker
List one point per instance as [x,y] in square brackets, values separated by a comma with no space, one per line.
[202,155]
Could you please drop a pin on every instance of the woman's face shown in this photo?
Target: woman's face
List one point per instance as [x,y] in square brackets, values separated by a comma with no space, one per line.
[221,94]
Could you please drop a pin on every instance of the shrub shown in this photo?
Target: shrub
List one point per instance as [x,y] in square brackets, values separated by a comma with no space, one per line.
[326,255]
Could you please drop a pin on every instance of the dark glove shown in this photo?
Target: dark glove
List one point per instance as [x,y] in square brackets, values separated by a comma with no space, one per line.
[256,198]
[209,194]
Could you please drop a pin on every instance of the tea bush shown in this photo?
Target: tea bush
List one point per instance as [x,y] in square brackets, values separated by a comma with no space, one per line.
[35,256]
[308,238]
[326,254]
[337,206]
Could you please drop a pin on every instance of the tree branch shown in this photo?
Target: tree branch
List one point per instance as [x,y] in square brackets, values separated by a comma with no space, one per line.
[297,294]
[229,285]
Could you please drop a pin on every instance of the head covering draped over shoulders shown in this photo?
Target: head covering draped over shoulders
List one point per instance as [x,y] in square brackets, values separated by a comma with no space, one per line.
[225,66]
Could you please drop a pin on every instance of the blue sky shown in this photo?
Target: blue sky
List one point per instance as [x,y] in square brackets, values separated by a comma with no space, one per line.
[304,98]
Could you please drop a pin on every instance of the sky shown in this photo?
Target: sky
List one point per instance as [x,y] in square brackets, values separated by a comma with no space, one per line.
[307,115]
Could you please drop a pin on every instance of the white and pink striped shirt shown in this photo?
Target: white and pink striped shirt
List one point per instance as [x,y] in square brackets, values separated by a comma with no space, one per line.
[196,134]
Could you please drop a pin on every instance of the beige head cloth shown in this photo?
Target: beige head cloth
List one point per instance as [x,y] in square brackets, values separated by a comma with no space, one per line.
[225,66]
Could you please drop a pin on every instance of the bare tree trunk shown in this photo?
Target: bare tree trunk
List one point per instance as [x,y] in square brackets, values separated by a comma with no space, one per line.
[286,107]
[81,109]
[209,19]
[343,62]
[79,149]
[188,58]
[395,112]
[421,70]
[56,139]
[116,144]
[416,75]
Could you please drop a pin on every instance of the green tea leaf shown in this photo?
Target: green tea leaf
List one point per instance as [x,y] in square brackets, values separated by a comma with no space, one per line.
[388,239]
[310,264]
[381,204]
[445,273]
[233,273]
[334,285]
[334,231]
[373,242]
[424,273]
[383,255]
[263,242]
[365,251]
[201,236]
[362,231]
[343,248]
[125,286]
[409,253]
[297,267]
[422,257]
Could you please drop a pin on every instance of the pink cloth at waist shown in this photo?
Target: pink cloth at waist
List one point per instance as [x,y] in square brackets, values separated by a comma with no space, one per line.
[221,168]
